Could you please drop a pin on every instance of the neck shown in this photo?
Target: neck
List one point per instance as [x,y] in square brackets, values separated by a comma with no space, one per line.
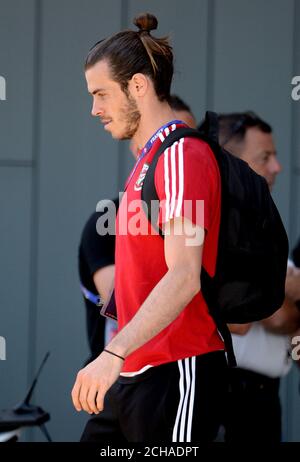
[153,116]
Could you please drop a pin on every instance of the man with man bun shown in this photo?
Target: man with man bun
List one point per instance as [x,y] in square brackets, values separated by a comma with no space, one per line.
[96,270]
[164,372]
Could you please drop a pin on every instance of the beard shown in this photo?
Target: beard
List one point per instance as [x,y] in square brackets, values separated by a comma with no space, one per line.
[132,116]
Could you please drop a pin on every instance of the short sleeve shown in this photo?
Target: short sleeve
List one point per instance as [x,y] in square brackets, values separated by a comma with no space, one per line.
[187,183]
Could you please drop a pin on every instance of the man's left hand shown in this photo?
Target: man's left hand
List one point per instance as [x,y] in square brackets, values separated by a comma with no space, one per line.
[93,381]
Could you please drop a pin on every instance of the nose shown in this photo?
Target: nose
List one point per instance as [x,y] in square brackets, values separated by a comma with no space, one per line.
[275,165]
[96,109]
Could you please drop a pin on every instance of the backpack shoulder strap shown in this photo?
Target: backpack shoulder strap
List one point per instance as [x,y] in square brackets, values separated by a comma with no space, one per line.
[208,132]
[148,192]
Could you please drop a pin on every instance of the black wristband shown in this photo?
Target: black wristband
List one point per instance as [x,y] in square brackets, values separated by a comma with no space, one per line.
[115,354]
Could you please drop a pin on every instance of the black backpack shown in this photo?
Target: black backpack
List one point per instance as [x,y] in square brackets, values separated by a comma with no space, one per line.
[249,283]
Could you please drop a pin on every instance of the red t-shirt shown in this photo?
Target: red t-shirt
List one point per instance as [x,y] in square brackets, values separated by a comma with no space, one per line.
[187,171]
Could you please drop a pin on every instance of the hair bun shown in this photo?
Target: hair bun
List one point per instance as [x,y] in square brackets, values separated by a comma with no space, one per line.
[145,22]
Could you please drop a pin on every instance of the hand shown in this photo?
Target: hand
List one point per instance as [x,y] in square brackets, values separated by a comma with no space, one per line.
[93,381]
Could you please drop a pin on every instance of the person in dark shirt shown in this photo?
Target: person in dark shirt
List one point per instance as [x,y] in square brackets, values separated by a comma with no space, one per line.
[96,262]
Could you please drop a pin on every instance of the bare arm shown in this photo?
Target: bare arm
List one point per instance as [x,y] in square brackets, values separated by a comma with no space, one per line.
[175,290]
[168,298]
[284,321]
[104,281]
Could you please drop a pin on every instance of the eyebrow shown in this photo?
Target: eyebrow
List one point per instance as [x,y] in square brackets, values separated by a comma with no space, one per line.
[96,91]
[269,153]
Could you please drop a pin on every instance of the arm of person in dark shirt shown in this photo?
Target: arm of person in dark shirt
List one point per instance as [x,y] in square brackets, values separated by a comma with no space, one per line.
[104,281]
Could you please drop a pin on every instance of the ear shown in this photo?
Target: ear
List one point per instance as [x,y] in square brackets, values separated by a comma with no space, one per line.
[139,85]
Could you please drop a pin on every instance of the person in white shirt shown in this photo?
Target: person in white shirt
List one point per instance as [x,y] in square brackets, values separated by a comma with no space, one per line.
[262,349]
